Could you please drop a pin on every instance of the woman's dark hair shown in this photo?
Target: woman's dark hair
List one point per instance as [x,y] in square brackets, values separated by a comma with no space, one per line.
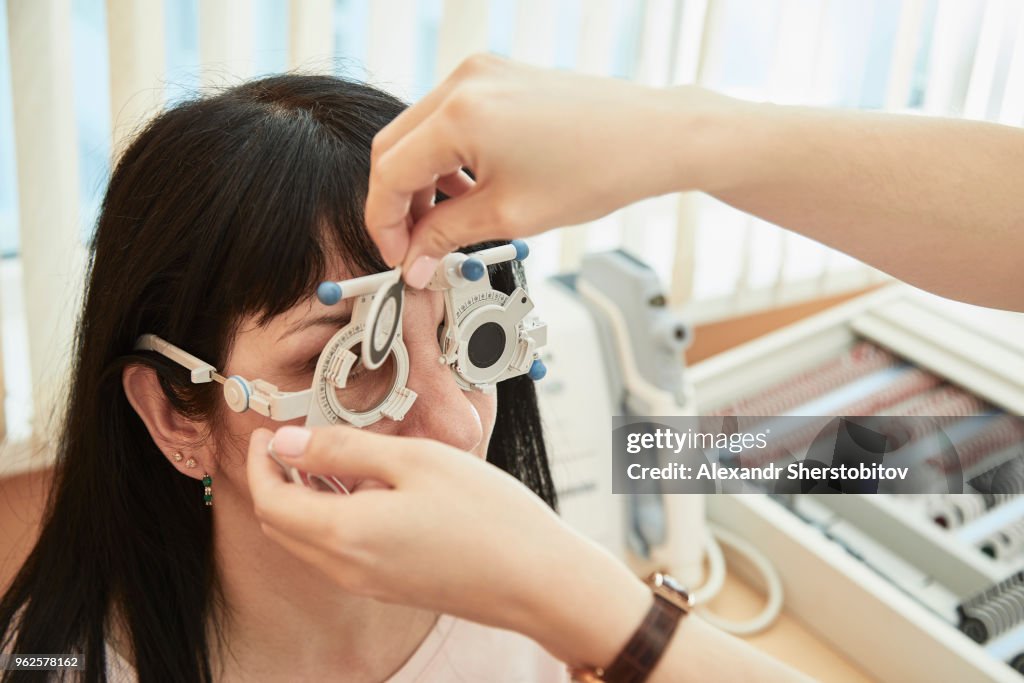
[222,207]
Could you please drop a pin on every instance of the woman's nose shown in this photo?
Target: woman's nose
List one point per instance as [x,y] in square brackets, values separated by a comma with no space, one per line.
[442,411]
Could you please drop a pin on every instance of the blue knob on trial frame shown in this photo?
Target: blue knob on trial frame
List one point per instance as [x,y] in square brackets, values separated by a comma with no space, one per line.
[522,249]
[537,370]
[329,293]
[472,269]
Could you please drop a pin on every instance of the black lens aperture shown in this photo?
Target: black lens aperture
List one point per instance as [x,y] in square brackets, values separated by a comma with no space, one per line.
[486,345]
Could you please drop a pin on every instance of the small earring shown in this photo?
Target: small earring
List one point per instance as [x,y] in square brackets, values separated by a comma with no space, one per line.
[177,457]
[190,463]
[207,489]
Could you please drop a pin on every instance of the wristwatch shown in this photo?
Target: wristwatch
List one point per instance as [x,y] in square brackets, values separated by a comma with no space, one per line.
[643,651]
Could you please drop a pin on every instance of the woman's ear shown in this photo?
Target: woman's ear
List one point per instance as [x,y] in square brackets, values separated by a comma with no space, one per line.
[174,434]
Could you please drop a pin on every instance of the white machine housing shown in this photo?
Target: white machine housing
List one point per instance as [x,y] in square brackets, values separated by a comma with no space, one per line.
[616,350]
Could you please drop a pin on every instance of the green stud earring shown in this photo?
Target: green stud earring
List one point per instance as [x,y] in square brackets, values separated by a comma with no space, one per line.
[207,489]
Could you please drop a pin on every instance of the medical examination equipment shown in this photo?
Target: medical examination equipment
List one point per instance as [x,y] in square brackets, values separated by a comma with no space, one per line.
[362,373]
[612,314]
[618,349]
[893,582]
[643,346]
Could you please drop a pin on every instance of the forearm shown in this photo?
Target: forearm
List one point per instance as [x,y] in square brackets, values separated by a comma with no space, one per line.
[938,203]
[700,652]
[587,607]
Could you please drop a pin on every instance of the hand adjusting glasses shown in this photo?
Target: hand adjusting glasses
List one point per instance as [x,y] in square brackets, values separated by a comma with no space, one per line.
[361,377]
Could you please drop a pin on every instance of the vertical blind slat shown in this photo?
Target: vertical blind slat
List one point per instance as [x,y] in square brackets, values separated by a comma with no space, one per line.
[793,77]
[597,38]
[573,246]
[683,259]
[533,42]
[979,87]
[700,18]
[47,168]
[952,50]
[534,39]
[463,31]
[226,41]
[3,392]
[311,35]
[136,49]
[1012,110]
[690,43]
[652,67]
[391,48]
[904,54]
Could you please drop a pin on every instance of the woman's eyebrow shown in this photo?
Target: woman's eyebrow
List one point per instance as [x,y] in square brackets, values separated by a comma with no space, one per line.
[339,319]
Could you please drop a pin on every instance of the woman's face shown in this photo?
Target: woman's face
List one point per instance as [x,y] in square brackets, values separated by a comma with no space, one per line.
[284,352]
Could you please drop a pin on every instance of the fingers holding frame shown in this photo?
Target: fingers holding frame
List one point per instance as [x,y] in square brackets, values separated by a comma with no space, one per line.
[325,521]
[346,451]
[415,162]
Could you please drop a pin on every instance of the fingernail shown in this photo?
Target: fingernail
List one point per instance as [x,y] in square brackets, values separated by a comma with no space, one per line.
[290,441]
[421,271]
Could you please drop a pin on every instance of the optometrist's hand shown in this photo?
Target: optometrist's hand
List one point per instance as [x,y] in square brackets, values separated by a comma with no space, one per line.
[445,531]
[932,201]
[547,148]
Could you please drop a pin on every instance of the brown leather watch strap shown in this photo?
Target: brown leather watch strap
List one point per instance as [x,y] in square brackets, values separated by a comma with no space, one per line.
[641,654]
[636,661]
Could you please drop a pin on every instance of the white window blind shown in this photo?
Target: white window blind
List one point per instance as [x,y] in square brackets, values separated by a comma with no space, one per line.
[124,59]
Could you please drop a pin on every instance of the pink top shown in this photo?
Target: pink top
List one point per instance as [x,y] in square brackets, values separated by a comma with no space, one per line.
[454,650]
